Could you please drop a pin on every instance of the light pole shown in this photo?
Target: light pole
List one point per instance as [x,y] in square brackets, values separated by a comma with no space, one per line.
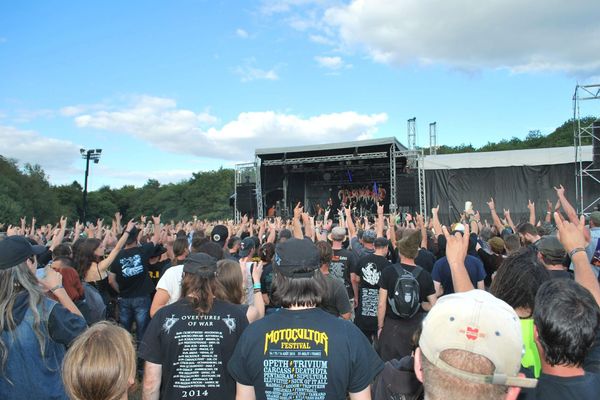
[87,155]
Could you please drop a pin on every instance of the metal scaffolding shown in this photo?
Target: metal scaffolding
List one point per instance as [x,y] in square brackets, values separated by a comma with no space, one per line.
[585,174]
[433,138]
[412,133]
[244,173]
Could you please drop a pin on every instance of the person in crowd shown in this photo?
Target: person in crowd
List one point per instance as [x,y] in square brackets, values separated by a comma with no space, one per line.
[34,330]
[266,253]
[168,288]
[229,275]
[491,259]
[470,348]
[394,329]
[512,243]
[233,246]
[528,234]
[343,261]
[93,267]
[336,300]
[219,235]
[365,282]
[246,253]
[100,364]
[302,351]
[158,263]
[442,278]
[188,343]
[132,280]
[552,254]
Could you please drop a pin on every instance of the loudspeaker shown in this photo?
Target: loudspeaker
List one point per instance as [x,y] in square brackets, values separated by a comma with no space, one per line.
[246,199]
[407,191]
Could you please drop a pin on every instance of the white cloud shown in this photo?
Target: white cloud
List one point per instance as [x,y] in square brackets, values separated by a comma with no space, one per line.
[31,147]
[248,72]
[334,63]
[522,36]
[241,33]
[320,39]
[159,122]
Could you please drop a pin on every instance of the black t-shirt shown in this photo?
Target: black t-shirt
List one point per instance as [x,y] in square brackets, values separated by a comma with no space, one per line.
[336,301]
[194,349]
[425,259]
[584,387]
[131,269]
[342,262]
[266,279]
[304,354]
[157,270]
[368,269]
[389,276]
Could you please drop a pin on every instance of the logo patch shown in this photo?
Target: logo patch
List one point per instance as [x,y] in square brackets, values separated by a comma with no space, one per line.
[472,333]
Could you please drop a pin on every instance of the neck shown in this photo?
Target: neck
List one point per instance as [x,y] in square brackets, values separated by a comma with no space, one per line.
[325,269]
[406,260]
[336,245]
[561,370]
[554,267]
[130,246]
[296,308]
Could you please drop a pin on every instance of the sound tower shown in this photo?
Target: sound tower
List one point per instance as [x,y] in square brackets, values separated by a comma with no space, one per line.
[407,193]
[246,199]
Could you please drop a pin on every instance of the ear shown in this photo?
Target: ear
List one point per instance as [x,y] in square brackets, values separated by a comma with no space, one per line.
[418,365]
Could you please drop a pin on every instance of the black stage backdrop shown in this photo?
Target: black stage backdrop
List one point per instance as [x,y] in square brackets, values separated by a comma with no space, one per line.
[511,188]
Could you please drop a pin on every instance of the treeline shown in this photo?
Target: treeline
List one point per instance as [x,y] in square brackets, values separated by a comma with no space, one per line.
[562,136]
[27,192]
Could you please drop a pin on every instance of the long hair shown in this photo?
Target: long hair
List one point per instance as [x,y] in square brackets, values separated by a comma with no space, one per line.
[12,282]
[201,291]
[85,256]
[229,274]
[100,364]
[303,292]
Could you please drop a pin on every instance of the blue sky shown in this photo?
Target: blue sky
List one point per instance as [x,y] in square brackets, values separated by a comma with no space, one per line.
[169,88]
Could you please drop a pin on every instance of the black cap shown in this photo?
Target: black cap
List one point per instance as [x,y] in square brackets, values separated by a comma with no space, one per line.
[219,234]
[296,258]
[159,250]
[200,264]
[246,246]
[16,249]
[552,249]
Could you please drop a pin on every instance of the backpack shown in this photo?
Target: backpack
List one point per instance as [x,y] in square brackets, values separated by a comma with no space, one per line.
[405,300]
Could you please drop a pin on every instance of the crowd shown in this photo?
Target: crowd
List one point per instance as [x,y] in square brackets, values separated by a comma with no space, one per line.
[324,307]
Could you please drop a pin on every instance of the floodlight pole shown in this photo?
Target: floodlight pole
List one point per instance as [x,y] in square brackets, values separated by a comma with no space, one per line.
[92,154]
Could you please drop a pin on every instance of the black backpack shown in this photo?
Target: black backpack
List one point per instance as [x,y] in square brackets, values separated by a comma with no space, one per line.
[405,300]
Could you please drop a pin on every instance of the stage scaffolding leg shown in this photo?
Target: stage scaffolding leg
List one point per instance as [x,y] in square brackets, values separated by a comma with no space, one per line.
[393,203]
[259,199]
[422,187]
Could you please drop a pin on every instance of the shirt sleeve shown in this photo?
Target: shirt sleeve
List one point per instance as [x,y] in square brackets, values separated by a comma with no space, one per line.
[64,326]
[366,364]
[150,346]
[426,285]
[342,302]
[435,272]
[237,365]
[385,278]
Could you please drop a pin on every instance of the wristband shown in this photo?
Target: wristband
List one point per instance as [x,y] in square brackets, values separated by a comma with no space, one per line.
[574,251]
[256,291]
[256,285]
[56,288]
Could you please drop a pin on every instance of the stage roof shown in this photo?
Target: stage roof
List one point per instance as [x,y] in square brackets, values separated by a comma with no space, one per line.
[363,145]
[508,158]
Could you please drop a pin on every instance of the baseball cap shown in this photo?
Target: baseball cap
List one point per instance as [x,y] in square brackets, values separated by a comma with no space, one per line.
[158,251]
[479,323]
[219,234]
[245,247]
[16,249]
[457,227]
[369,236]
[338,234]
[296,258]
[497,244]
[552,249]
[200,264]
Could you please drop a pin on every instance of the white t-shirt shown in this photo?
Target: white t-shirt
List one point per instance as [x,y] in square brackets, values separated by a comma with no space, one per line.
[171,282]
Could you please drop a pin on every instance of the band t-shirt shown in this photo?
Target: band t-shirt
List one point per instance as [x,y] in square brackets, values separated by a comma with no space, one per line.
[368,269]
[304,354]
[131,270]
[335,301]
[342,262]
[194,349]
[389,276]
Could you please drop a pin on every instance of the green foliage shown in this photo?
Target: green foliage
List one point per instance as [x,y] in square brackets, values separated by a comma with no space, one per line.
[561,137]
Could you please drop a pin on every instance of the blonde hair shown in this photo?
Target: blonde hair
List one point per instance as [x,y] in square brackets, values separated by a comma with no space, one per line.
[100,364]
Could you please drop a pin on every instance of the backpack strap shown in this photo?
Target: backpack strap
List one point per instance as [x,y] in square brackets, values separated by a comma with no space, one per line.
[417,271]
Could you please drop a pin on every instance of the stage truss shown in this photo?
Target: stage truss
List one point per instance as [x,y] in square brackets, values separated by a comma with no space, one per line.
[414,160]
[584,174]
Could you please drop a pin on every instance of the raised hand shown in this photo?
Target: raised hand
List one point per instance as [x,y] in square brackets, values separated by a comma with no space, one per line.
[130,225]
[560,190]
[457,245]
[156,220]
[298,210]
[570,235]
[491,204]
[530,205]
[435,210]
